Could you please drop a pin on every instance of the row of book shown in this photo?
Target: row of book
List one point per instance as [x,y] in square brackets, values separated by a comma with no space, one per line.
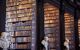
[21,11]
[23,28]
[18,19]
[18,28]
[19,15]
[50,25]
[50,17]
[19,2]
[19,7]
[23,33]
[22,23]
[20,33]
[50,21]
[23,39]
[20,46]
[23,46]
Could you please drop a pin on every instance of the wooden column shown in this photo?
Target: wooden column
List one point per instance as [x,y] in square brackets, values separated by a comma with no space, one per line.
[2,15]
[62,25]
[76,30]
[40,24]
[76,33]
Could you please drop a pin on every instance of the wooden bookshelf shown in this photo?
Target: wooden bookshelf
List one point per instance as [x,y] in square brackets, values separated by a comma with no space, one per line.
[69,29]
[19,22]
[51,25]
[79,30]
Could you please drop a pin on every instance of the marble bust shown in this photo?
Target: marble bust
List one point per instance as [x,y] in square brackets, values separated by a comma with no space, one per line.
[66,43]
[45,42]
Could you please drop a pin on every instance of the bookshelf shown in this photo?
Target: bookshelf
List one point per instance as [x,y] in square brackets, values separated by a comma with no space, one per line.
[79,30]
[51,25]
[19,14]
[69,29]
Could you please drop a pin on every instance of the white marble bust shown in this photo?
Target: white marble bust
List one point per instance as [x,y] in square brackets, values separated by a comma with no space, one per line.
[66,43]
[45,42]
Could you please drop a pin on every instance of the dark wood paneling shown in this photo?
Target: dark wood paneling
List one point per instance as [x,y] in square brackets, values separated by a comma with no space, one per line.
[2,15]
[62,26]
[40,24]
